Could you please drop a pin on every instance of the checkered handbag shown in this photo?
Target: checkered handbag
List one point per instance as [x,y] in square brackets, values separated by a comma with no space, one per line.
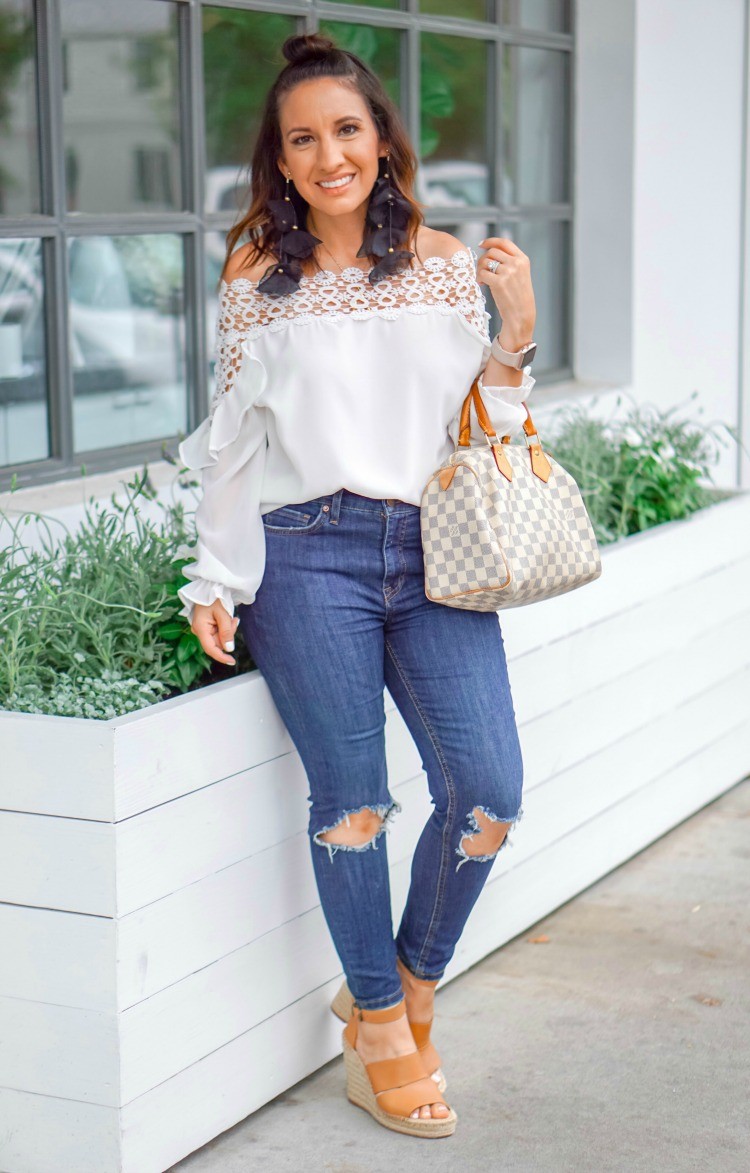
[503,525]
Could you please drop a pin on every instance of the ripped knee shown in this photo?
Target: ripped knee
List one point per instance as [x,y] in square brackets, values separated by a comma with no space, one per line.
[356,830]
[487,835]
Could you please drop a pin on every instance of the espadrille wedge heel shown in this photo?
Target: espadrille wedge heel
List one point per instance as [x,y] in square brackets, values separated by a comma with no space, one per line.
[342,1006]
[391,1089]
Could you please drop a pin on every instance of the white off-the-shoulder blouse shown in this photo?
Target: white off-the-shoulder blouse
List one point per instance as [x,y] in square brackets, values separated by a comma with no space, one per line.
[341,384]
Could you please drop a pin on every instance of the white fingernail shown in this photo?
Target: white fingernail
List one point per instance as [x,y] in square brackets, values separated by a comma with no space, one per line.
[229,646]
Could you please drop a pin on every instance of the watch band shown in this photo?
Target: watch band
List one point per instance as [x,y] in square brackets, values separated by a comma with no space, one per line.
[517,359]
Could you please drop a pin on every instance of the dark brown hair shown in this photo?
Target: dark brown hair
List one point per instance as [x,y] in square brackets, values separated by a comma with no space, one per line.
[309,56]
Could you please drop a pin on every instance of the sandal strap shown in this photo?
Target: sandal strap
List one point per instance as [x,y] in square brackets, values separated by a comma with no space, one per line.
[402,1084]
[387,1074]
[427,1049]
[384,1014]
[401,1101]
[421,1032]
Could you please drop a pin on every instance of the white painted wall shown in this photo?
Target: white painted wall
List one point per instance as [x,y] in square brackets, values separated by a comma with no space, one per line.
[688,158]
[603,191]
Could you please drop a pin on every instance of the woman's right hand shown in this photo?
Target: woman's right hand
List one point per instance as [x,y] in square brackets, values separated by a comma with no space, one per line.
[214,628]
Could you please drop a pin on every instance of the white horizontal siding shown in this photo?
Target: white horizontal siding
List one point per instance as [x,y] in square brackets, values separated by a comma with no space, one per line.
[165,956]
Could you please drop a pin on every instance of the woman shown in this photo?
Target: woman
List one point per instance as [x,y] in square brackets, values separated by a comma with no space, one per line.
[338,392]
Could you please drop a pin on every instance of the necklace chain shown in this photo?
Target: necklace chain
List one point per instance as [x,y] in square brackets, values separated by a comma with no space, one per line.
[341,267]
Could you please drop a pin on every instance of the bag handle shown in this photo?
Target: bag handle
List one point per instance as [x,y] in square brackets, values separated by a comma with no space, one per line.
[464,429]
[540,465]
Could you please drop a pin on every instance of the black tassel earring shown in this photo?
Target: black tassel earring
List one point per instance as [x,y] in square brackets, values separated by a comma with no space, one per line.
[295,243]
[386,222]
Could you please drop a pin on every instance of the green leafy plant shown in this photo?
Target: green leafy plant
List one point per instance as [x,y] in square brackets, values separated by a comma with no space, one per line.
[187,662]
[89,620]
[636,470]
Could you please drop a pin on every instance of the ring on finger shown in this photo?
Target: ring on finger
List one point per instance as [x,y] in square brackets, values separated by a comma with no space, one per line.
[493,266]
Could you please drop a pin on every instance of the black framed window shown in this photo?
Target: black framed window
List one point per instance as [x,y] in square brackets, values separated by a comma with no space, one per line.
[125,137]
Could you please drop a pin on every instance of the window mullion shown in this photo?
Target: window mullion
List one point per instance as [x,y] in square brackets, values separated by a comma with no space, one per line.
[193,155]
[54,251]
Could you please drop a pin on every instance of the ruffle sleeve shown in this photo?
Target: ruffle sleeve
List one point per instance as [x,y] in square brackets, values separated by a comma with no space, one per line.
[229,447]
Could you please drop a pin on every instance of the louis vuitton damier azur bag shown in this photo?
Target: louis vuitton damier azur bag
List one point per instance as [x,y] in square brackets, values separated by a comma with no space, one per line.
[503,524]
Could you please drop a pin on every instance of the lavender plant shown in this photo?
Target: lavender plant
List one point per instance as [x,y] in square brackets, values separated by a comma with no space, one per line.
[637,470]
[89,620]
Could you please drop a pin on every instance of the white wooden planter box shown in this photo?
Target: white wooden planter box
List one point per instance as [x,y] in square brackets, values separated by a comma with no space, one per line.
[165,968]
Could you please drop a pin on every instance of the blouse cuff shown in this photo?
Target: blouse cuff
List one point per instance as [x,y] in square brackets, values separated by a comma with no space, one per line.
[204,592]
[512,394]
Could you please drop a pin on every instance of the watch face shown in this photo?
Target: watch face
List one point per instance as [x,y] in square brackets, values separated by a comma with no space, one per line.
[529,355]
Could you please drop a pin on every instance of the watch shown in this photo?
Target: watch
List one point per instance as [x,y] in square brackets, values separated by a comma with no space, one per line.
[518,358]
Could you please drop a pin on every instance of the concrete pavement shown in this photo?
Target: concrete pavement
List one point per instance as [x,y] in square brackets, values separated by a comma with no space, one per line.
[622,1043]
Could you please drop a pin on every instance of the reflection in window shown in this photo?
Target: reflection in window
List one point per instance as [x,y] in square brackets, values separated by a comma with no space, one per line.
[549,16]
[127,339]
[23,392]
[379,48]
[372,3]
[241,59]
[547,245]
[152,176]
[455,170]
[120,97]
[535,125]
[19,157]
[468,9]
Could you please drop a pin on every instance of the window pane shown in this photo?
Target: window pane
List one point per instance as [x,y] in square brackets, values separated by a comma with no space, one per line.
[127,339]
[468,9]
[550,16]
[120,94]
[454,171]
[546,244]
[23,363]
[19,157]
[235,95]
[535,125]
[379,48]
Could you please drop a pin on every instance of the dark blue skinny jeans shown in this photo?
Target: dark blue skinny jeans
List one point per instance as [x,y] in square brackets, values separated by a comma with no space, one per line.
[342,611]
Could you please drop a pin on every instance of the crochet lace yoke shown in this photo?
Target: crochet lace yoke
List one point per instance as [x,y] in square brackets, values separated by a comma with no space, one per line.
[448,286]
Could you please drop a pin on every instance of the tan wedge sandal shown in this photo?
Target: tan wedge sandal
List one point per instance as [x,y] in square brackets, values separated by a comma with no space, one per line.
[342,1006]
[391,1089]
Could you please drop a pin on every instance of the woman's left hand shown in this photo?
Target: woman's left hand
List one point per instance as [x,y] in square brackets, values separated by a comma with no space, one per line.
[510,286]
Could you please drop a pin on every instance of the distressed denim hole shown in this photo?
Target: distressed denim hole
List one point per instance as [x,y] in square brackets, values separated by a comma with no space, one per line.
[357,830]
[483,836]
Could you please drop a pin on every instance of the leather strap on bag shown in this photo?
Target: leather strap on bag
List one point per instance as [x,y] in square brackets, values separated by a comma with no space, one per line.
[540,465]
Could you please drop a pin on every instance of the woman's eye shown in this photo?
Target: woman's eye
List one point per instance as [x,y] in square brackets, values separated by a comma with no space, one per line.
[347,126]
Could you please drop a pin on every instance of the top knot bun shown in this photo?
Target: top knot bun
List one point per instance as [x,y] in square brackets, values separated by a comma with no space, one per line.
[307,47]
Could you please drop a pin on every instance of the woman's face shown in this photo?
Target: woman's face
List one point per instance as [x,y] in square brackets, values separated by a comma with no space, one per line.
[327,133]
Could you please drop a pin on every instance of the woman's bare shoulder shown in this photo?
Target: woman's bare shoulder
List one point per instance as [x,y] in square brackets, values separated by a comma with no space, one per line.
[240,265]
[433,242]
